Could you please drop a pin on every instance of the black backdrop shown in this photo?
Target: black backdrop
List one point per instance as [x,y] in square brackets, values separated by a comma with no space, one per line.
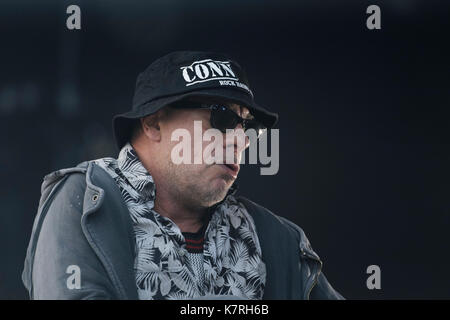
[363,124]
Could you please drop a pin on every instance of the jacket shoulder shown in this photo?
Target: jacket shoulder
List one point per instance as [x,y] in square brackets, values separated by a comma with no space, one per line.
[266,219]
[57,242]
[259,212]
[274,230]
[65,230]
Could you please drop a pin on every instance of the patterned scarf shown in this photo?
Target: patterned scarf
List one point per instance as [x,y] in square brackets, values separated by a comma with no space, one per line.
[231,255]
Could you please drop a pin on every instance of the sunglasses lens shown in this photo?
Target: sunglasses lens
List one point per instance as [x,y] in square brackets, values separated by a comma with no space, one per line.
[222,118]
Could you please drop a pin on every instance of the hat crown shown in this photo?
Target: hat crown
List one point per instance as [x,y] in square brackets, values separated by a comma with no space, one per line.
[184,74]
[184,71]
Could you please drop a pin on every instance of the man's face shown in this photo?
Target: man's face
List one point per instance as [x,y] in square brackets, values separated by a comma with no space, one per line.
[201,185]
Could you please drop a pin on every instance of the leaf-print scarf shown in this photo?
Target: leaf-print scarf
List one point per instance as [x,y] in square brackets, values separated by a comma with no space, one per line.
[231,254]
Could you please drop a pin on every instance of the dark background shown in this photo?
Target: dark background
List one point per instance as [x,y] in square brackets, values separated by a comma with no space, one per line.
[364,141]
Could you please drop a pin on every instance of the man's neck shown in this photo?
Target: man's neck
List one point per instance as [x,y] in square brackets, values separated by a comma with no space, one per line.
[188,220]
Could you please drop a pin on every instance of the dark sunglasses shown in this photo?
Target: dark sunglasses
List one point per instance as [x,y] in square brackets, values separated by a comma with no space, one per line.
[223,118]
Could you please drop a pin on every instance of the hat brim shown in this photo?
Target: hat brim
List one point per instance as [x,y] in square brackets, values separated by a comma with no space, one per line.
[123,123]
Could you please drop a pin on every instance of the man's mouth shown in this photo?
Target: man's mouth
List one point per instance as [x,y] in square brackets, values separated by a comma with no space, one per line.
[231,168]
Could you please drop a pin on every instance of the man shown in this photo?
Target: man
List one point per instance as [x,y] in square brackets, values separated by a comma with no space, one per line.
[146,226]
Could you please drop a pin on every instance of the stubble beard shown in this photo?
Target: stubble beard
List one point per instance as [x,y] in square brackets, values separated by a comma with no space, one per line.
[189,188]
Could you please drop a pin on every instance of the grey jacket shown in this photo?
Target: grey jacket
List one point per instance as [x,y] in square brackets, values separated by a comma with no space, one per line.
[82,221]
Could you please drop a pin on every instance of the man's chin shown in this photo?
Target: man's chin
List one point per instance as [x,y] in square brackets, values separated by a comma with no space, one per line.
[217,190]
[223,183]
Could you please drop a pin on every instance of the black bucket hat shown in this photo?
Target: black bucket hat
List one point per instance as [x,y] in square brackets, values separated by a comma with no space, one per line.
[182,74]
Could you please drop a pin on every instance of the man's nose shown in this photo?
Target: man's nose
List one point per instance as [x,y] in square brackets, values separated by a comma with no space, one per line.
[238,139]
[244,136]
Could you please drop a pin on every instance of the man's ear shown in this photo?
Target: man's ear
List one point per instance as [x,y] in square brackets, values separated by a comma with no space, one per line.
[150,127]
